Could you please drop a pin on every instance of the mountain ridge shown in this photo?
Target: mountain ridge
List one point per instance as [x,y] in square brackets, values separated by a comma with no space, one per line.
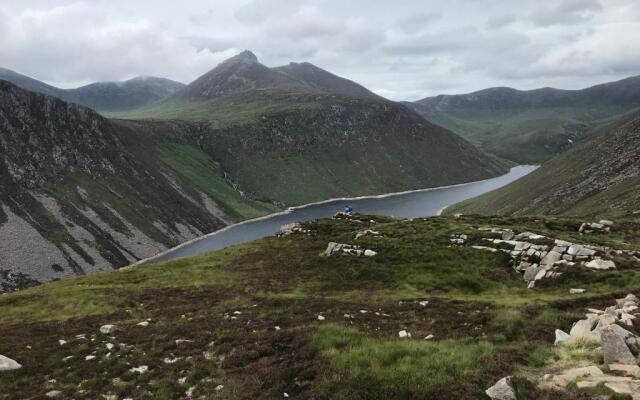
[530,126]
[102,96]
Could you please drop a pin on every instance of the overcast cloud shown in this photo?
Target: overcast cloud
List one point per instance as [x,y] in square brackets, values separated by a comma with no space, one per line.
[401,49]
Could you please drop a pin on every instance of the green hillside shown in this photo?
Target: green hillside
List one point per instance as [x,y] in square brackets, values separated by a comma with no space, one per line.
[530,127]
[272,317]
[599,177]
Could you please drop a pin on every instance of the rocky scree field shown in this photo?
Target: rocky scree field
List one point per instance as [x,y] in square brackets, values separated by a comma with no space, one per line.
[354,307]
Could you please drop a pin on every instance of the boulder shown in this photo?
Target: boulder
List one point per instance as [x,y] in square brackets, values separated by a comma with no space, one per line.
[507,235]
[540,275]
[580,251]
[531,272]
[605,320]
[108,329]
[582,328]
[502,390]
[53,394]
[576,291]
[404,334]
[369,253]
[521,246]
[632,298]
[615,347]
[606,222]
[551,258]
[561,337]
[600,264]
[7,364]
[629,370]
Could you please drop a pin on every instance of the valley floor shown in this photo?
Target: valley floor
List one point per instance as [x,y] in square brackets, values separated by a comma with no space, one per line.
[274,319]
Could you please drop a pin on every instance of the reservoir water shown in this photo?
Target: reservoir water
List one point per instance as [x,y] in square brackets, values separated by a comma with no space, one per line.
[413,204]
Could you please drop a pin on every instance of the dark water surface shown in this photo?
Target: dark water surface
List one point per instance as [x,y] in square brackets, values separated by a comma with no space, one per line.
[420,203]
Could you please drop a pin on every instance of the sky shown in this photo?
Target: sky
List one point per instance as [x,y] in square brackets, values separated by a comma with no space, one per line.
[400,49]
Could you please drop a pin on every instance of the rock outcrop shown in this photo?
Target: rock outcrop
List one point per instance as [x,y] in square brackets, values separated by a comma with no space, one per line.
[7,364]
[539,257]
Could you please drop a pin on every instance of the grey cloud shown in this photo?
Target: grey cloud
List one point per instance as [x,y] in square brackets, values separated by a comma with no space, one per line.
[500,21]
[566,12]
[404,49]
[416,23]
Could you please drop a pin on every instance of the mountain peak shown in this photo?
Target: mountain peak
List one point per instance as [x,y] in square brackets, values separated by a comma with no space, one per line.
[246,56]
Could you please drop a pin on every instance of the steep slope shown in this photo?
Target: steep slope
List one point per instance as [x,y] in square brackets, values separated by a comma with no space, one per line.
[598,177]
[321,80]
[298,134]
[530,126]
[80,193]
[102,96]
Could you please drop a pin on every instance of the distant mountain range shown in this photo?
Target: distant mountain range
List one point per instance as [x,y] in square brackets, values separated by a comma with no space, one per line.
[90,193]
[598,177]
[102,96]
[530,126]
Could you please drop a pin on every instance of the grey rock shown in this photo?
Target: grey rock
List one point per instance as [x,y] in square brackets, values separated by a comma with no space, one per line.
[580,251]
[531,272]
[560,249]
[7,364]
[561,336]
[108,329]
[521,246]
[502,390]
[615,347]
[562,243]
[582,328]
[53,394]
[541,274]
[551,258]
[600,264]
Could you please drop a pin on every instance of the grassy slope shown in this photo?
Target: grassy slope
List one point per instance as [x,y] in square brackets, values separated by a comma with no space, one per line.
[486,324]
[206,175]
[596,178]
[527,136]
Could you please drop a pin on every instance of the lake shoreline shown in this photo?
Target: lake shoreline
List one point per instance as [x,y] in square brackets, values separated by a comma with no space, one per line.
[290,210]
